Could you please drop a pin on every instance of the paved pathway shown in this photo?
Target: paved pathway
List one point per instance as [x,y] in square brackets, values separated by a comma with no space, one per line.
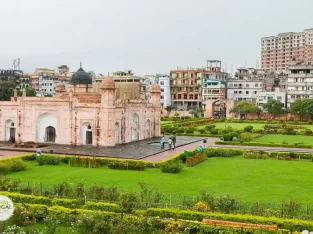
[8,154]
[133,150]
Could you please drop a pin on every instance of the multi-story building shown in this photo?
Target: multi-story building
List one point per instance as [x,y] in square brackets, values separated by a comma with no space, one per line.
[186,87]
[300,81]
[164,82]
[264,96]
[278,51]
[214,81]
[149,80]
[244,87]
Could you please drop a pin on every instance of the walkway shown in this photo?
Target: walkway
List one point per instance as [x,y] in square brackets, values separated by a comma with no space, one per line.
[8,154]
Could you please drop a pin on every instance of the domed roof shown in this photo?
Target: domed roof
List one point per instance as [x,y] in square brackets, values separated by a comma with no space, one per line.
[81,77]
[108,82]
[155,88]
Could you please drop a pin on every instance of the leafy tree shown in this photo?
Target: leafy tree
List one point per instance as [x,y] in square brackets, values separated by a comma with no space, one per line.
[259,112]
[197,112]
[6,90]
[244,108]
[299,107]
[169,109]
[302,108]
[274,107]
[30,92]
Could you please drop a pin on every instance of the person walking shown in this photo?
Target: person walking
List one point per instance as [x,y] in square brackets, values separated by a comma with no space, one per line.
[162,142]
[174,141]
[170,142]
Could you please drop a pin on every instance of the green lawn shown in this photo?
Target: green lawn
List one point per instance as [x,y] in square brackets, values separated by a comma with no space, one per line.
[247,179]
[277,138]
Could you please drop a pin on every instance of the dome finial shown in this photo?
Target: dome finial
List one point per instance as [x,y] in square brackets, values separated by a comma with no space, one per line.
[81,64]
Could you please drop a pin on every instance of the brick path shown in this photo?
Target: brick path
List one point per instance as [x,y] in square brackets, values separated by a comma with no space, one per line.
[8,154]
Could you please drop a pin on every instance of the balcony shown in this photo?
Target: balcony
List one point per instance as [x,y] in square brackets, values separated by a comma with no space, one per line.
[302,84]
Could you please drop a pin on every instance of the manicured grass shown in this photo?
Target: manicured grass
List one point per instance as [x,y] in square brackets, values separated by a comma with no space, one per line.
[247,179]
[166,122]
[277,138]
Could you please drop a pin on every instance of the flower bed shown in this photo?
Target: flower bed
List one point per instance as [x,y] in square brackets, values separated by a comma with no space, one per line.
[196,159]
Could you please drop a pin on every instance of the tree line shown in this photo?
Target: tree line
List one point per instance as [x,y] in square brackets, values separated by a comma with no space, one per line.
[7,91]
[301,107]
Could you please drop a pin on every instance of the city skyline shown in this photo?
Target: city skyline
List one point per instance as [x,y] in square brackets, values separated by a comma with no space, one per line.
[147,38]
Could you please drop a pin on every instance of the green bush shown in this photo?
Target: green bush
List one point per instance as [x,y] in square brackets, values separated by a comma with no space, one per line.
[25,198]
[245,136]
[202,131]
[228,137]
[183,157]
[255,155]
[68,203]
[172,167]
[248,128]
[214,132]
[16,165]
[210,127]
[190,130]
[111,207]
[48,160]
[127,165]
[289,131]
[4,168]
[30,157]
[226,153]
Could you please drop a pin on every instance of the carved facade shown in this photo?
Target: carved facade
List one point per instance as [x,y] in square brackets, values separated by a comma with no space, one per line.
[80,116]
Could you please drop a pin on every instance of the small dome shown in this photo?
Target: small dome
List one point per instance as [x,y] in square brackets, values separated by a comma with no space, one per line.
[81,77]
[108,82]
[155,88]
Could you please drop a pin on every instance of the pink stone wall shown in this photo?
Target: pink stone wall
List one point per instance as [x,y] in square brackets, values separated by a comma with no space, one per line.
[70,118]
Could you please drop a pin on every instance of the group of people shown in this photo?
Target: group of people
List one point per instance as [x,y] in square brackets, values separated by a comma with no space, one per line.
[171,141]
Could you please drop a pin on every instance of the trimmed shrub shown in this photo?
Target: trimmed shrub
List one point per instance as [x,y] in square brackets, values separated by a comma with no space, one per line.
[4,168]
[202,131]
[127,165]
[111,207]
[255,155]
[68,203]
[190,130]
[214,132]
[172,167]
[228,137]
[225,153]
[245,136]
[16,165]
[196,159]
[183,157]
[248,128]
[48,160]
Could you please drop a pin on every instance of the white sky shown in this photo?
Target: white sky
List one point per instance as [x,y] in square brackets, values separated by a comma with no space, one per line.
[146,36]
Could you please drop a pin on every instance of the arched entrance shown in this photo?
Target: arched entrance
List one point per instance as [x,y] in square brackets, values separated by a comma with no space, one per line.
[219,109]
[117,133]
[46,128]
[135,127]
[9,130]
[50,134]
[148,133]
[86,134]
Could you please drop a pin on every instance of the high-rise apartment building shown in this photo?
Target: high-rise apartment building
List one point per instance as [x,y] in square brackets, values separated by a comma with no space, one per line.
[278,51]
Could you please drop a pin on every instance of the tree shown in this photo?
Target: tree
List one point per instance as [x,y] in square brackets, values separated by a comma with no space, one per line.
[259,112]
[169,109]
[299,107]
[6,90]
[244,108]
[302,108]
[30,92]
[197,112]
[274,107]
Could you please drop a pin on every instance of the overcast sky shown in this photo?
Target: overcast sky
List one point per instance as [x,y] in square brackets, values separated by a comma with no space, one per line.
[147,36]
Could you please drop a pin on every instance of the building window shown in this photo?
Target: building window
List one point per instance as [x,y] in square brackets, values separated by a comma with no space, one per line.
[235,92]
[247,85]
[239,92]
[255,92]
[162,97]
[279,98]
[162,90]
[247,92]
[162,83]
[256,85]
[179,96]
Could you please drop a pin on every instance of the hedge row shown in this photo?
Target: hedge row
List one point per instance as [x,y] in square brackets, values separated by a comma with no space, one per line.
[263,144]
[64,202]
[101,161]
[289,224]
[66,216]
